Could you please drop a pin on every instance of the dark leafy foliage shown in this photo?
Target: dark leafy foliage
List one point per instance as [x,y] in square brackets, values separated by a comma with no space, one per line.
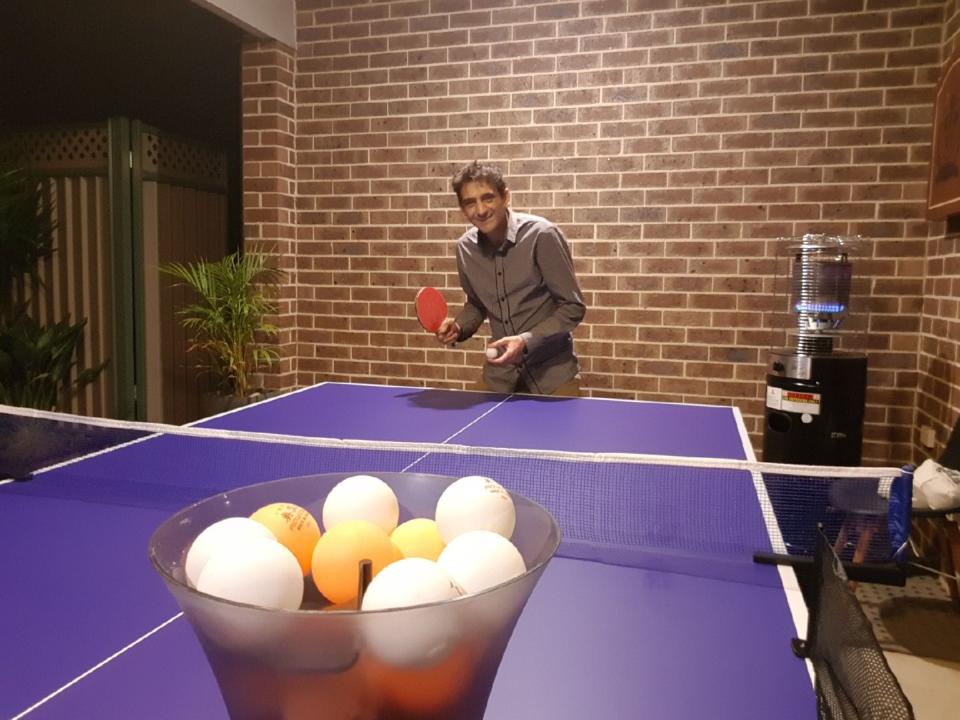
[26,234]
[36,361]
[38,365]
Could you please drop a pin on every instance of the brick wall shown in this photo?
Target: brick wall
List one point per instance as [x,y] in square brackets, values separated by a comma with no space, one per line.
[951,28]
[269,184]
[938,397]
[939,389]
[672,140]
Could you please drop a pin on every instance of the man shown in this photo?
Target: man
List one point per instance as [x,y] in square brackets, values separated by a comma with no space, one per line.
[516,270]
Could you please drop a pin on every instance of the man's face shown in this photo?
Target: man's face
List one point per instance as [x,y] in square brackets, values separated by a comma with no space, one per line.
[485,208]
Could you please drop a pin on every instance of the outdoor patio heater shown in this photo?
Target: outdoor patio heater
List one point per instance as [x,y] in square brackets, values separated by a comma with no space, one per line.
[817,377]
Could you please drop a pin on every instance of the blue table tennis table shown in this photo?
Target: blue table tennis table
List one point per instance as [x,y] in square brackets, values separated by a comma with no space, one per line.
[88,629]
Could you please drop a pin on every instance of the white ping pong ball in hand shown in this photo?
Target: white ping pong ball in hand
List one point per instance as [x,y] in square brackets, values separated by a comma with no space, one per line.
[493,353]
[362,497]
[480,559]
[475,503]
[221,533]
[256,571]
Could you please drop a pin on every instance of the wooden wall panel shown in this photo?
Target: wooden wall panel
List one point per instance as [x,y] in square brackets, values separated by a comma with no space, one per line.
[190,226]
[77,280]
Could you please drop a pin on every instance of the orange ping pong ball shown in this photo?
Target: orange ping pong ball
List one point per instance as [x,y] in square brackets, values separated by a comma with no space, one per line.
[294,527]
[418,538]
[337,556]
[430,691]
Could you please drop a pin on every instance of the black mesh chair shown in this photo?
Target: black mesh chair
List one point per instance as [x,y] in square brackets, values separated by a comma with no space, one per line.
[871,529]
[853,678]
[864,511]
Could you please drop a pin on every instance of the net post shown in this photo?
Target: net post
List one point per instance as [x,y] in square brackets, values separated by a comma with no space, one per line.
[899,515]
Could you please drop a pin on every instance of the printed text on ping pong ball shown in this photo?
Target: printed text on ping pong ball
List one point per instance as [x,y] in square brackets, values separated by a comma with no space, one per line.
[361,497]
[337,556]
[221,533]
[421,636]
[481,559]
[475,503]
[294,528]
[418,538]
[256,571]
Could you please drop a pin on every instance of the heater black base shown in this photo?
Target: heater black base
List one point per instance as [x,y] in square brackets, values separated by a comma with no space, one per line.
[817,418]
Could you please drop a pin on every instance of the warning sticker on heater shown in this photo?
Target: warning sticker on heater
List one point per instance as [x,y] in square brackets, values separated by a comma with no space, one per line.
[793,401]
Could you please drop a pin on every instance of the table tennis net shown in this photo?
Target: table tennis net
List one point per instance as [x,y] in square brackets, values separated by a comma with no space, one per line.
[689,515]
[853,679]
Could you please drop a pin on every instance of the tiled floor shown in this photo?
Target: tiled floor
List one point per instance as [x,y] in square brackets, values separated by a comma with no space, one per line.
[932,686]
[919,630]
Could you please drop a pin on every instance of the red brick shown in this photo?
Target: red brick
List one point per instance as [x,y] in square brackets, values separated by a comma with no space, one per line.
[637,167]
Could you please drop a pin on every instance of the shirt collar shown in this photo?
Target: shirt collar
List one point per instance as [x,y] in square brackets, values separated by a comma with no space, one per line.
[513,224]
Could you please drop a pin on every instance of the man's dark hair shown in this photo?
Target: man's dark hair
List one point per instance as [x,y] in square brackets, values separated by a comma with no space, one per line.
[479,172]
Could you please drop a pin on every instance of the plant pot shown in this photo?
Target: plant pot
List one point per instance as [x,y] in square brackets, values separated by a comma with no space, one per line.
[214,403]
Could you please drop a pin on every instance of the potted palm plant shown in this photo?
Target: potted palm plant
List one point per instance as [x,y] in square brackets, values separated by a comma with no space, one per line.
[229,320]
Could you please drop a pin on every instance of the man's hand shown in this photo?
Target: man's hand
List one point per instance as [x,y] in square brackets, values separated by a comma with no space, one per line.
[449,332]
[511,350]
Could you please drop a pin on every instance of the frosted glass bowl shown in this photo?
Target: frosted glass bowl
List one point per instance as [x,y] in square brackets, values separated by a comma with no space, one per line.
[426,662]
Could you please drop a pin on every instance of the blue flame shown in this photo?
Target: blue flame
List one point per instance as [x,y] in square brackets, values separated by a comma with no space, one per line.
[812,307]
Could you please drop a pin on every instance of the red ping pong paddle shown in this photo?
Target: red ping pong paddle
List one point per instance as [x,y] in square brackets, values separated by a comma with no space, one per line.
[431,309]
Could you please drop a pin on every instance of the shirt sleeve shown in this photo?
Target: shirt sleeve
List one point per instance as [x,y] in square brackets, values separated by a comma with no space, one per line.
[556,266]
[471,317]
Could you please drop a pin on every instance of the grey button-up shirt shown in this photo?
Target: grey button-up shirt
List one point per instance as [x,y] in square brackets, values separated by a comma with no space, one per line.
[525,287]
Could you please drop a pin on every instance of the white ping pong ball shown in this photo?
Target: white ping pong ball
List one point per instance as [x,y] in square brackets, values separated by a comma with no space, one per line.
[362,497]
[256,571]
[493,353]
[480,559]
[411,581]
[419,636]
[221,533]
[475,503]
